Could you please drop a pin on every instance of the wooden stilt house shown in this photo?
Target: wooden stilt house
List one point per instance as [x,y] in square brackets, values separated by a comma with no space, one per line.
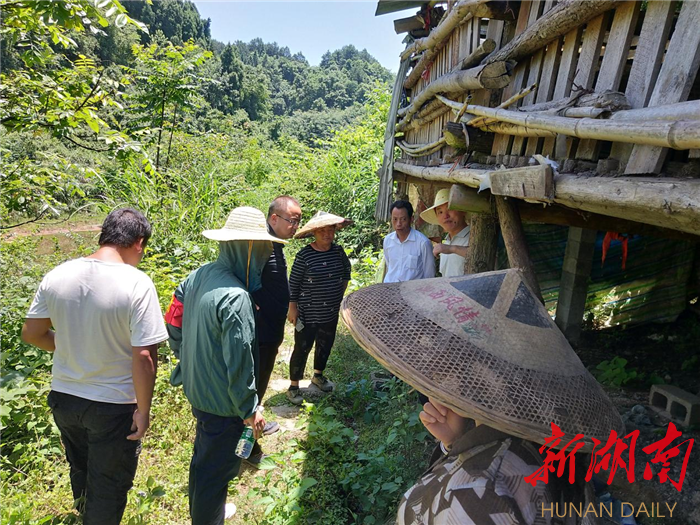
[577,113]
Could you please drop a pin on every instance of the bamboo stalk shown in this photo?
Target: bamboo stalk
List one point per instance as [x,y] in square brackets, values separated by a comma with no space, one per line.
[681,111]
[516,130]
[492,76]
[512,100]
[444,29]
[422,149]
[476,121]
[558,21]
[669,134]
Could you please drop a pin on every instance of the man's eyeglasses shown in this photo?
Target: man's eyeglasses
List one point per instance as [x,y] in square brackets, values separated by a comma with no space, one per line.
[293,222]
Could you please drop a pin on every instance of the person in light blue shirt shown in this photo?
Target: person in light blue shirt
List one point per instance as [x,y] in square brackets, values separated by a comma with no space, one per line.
[408,254]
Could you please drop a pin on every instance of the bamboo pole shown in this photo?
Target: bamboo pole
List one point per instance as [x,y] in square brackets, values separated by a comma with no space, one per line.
[492,76]
[438,36]
[458,106]
[561,19]
[421,150]
[669,134]
[681,111]
[516,130]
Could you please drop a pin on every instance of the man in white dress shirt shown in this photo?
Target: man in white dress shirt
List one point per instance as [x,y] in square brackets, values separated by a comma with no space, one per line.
[454,248]
[408,254]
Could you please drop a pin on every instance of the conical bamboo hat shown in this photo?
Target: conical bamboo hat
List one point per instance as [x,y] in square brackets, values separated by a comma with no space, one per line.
[321,220]
[484,346]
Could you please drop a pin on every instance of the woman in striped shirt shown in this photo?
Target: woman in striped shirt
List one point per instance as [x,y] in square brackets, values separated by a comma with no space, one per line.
[319,278]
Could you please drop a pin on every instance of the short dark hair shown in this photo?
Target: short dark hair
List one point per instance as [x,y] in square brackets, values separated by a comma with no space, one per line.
[403,205]
[280,204]
[123,227]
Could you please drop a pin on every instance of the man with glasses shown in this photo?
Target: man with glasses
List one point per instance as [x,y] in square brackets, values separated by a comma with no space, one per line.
[283,218]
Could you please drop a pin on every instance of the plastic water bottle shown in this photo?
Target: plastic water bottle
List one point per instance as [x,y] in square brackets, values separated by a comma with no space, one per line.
[245,444]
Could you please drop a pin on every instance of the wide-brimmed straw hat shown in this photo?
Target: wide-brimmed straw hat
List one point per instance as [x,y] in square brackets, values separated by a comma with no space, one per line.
[243,224]
[321,220]
[484,346]
[441,197]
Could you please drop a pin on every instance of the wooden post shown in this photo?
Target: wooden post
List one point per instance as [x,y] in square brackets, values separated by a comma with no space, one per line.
[514,238]
[483,233]
[483,243]
[578,260]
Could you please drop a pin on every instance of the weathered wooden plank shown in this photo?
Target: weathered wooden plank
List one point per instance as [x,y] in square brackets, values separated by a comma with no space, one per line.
[534,183]
[649,52]
[675,80]
[501,142]
[590,52]
[616,50]
[494,31]
[653,37]
[565,78]
[567,64]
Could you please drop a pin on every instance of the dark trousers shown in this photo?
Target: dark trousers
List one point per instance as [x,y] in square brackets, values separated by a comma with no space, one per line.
[102,461]
[214,463]
[323,334]
[266,363]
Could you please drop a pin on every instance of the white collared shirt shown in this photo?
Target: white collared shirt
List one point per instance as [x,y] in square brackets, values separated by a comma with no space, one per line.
[408,260]
[451,264]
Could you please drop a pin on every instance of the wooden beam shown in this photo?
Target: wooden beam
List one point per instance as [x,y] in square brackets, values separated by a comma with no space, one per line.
[667,203]
[534,183]
[408,179]
[468,200]
[516,246]
[561,19]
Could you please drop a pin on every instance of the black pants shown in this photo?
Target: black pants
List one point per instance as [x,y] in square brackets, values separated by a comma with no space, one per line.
[323,334]
[214,463]
[268,354]
[102,461]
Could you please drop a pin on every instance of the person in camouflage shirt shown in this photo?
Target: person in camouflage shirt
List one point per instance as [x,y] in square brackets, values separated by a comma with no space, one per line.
[500,379]
[480,479]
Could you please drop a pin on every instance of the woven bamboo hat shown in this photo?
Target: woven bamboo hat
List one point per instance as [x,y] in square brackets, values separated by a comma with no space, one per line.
[243,224]
[321,220]
[484,346]
[441,198]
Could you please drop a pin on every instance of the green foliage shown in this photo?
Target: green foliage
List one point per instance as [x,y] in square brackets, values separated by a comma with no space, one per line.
[49,92]
[615,372]
[146,500]
[168,84]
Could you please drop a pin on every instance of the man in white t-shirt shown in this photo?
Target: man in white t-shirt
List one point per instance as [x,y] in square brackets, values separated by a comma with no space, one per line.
[408,254]
[107,325]
[454,248]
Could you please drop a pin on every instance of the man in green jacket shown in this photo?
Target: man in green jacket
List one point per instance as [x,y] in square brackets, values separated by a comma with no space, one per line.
[211,323]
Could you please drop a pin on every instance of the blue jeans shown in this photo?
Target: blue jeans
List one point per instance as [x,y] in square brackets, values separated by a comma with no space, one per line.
[214,463]
[102,461]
